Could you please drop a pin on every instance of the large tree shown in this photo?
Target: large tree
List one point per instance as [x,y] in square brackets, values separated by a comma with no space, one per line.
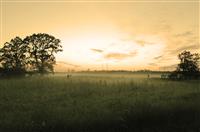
[13,57]
[189,64]
[42,48]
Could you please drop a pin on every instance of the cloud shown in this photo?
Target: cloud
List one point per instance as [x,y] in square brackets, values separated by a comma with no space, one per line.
[184,34]
[143,42]
[119,56]
[158,57]
[188,47]
[97,50]
[66,63]
[152,64]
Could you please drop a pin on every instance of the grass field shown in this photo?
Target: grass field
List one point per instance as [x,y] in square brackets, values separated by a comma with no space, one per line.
[99,103]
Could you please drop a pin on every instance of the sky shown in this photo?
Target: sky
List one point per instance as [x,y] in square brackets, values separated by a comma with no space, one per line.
[108,35]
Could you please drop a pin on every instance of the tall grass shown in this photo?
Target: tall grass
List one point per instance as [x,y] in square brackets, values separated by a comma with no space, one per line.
[91,103]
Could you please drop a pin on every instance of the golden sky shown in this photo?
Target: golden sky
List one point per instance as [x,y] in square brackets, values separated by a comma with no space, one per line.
[128,35]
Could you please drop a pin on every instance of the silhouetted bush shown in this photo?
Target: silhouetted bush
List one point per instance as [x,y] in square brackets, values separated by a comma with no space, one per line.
[188,68]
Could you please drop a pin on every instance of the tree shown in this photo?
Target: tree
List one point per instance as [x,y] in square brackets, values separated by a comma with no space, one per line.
[34,53]
[41,51]
[189,64]
[13,57]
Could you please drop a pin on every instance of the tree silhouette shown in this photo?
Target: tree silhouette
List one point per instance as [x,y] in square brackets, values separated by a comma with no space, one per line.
[41,49]
[34,53]
[189,64]
[13,57]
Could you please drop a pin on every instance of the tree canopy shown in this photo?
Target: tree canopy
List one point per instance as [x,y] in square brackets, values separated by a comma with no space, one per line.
[189,63]
[35,53]
[41,50]
[188,68]
[13,56]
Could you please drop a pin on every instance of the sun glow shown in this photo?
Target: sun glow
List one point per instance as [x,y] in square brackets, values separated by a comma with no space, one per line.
[97,48]
[78,45]
[124,36]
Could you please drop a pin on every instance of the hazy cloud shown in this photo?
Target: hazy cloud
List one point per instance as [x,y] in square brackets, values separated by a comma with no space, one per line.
[97,50]
[184,34]
[139,41]
[188,47]
[143,42]
[152,64]
[158,57]
[119,56]
[66,63]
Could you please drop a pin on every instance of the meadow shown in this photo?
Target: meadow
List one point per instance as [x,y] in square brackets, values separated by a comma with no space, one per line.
[99,102]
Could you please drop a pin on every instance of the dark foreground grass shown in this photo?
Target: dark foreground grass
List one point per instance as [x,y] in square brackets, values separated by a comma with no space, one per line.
[98,104]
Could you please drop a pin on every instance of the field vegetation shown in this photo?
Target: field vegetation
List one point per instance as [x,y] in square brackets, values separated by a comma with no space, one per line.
[91,102]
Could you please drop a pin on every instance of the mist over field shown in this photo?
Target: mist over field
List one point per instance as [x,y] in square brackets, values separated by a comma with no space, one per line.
[99,102]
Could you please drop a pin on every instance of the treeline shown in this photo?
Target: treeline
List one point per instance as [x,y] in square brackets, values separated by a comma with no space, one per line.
[124,71]
[36,54]
[188,68]
[33,54]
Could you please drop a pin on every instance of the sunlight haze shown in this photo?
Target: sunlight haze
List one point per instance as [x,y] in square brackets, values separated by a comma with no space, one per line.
[108,35]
